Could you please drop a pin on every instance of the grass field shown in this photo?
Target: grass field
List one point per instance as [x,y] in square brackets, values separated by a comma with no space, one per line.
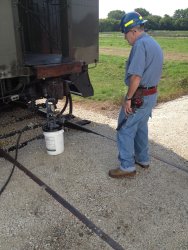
[108,77]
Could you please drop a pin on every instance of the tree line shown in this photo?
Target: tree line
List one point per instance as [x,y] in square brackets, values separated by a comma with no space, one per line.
[179,21]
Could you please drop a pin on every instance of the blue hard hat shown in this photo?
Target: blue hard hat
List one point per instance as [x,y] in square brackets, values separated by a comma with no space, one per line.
[130,20]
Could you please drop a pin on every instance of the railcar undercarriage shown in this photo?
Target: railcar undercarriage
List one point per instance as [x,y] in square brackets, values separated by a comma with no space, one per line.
[45,49]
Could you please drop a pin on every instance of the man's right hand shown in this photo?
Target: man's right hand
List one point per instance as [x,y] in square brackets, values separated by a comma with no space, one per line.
[127,107]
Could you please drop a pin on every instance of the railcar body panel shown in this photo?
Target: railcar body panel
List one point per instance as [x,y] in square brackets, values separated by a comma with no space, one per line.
[11,58]
[65,27]
[84,31]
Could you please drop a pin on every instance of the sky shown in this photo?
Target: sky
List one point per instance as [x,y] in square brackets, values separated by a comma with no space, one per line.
[157,7]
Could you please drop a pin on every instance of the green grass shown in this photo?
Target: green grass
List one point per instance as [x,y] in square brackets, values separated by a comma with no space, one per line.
[115,40]
[168,44]
[108,80]
[173,44]
[174,82]
[169,33]
[108,77]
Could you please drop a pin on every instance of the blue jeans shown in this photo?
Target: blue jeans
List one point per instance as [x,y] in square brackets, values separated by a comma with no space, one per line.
[132,137]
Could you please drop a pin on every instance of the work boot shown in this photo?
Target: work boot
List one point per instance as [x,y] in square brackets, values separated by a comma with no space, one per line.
[141,165]
[118,173]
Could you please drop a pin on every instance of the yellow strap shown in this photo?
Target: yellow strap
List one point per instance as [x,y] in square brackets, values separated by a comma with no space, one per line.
[131,21]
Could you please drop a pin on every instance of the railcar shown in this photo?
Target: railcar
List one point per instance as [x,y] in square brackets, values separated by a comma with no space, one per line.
[46,47]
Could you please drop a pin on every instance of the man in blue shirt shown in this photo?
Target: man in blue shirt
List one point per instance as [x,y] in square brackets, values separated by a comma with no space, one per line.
[143,73]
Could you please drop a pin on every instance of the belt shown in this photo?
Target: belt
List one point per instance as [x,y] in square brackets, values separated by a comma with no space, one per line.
[148,90]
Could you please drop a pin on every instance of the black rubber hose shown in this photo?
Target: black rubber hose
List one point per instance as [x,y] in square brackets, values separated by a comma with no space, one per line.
[65,106]
[70,104]
[13,168]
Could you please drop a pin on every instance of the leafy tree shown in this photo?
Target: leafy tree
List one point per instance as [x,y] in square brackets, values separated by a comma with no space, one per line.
[181,24]
[179,21]
[143,12]
[180,13]
[166,23]
[153,22]
[108,25]
[116,14]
